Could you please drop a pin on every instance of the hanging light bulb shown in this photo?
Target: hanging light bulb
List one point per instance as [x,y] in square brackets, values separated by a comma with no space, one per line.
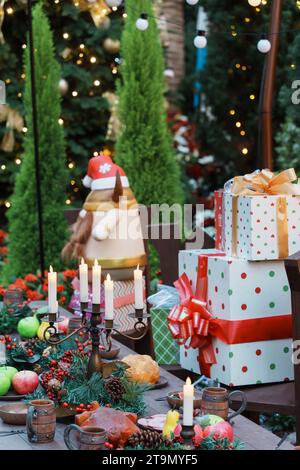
[113,3]
[192,2]
[200,40]
[264,45]
[142,22]
[254,3]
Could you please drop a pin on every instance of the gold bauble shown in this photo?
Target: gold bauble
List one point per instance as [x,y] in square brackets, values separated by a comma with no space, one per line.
[111,45]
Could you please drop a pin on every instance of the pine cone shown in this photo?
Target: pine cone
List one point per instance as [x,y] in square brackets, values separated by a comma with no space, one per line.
[54,385]
[115,388]
[148,439]
[37,369]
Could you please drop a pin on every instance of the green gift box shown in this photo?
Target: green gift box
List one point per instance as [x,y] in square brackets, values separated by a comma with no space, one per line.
[165,347]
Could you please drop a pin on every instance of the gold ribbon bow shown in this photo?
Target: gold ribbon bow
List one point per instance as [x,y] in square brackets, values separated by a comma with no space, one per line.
[266,182]
[261,183]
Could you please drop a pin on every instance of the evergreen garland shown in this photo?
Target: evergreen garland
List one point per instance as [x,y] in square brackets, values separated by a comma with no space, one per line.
[10,316]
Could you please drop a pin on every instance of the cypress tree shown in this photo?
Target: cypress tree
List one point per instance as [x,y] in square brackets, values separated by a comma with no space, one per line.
[23,221]
[144,148]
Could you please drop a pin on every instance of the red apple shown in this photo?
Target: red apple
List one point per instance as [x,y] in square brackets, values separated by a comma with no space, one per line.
[25,382]
[63,325]
[219,431]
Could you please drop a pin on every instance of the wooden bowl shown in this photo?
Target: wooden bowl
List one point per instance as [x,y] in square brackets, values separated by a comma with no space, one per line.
[175,399]
[14,413]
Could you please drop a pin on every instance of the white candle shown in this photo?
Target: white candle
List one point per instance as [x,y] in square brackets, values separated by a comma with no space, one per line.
[109,298]
[138,288]
[84,283]
[52,291]
[96,283]
[188,403]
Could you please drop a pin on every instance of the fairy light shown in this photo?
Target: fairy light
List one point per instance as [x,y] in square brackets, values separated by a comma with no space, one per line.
[93,60]
[71,165]
[66,35]
[97,83]
[3,167]
[60,121]
[244,68]
[9,10]
[24,46]
[243,133]
[95,154]
[252,97]
[237,66]
[68,202]
[232,112]
[245,151]
[18,161]
[19,94]
[74,93]
[293,66]
[7,204]
[238,124]
[124,15]
[72,182]
[81,46]
[114,70]
[79,62]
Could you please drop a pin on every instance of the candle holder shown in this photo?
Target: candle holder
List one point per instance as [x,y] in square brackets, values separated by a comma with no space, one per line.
[187,434]
[100,332]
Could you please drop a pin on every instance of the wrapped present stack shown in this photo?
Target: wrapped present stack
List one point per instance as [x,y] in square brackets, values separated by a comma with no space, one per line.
[233,322]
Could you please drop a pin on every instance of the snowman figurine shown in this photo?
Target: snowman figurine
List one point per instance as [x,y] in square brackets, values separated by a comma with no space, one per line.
[108,227]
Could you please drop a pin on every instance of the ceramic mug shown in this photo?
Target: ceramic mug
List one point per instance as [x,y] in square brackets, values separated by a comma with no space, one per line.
[90,438]
[217,400]
[41,421]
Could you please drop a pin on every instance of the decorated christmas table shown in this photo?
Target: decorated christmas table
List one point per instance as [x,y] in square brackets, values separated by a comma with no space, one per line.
[254,437]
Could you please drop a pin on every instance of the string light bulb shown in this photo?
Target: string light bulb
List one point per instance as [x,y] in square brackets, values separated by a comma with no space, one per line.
[200,40]
[114,3]
[264,45]
[142,22]
[254,3]
[192,2]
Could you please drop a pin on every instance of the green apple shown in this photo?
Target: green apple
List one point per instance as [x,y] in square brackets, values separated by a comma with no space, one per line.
[5,383]
[28,327]
[208,420]
[9,371]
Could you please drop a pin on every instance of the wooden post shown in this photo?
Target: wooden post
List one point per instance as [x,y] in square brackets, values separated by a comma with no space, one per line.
[292,266]
[269,86]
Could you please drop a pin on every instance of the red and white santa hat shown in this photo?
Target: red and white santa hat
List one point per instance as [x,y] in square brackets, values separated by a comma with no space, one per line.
[102,173]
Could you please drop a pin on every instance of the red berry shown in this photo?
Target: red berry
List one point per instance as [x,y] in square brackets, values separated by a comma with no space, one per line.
[76,340]
[65,404]
[8,346]
[81,405]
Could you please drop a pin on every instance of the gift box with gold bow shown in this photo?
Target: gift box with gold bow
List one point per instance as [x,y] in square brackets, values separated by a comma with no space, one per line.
[234,318]
[261,215]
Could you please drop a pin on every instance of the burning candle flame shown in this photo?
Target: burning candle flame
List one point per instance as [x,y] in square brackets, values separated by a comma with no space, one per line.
[51,269]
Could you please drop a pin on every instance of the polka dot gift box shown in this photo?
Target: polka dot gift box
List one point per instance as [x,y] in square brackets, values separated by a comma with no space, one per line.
[261,215]
[239,290]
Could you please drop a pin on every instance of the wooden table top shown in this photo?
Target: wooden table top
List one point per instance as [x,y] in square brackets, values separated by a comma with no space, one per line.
[255,437]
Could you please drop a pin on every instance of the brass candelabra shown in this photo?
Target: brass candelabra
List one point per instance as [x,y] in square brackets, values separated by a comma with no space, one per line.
[100,332]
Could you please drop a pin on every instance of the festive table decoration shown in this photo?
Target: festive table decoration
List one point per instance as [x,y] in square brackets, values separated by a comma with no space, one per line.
[261,215]
[231,329]
[108,228]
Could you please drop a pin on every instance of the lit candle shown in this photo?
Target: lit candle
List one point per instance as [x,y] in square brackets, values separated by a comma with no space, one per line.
[52,291]
[84,283]
[109,298]
[188,403]
[96,283]
[138,288]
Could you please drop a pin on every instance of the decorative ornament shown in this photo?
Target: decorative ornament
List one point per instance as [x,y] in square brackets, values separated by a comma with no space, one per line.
[115,388]
[111,45]
[192,2]
[142,22]
[14,122]
[114,3]
[98,9]
[147,439]
[254,3]
[200,40]
[264,45]
[114,125]
[63,86]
